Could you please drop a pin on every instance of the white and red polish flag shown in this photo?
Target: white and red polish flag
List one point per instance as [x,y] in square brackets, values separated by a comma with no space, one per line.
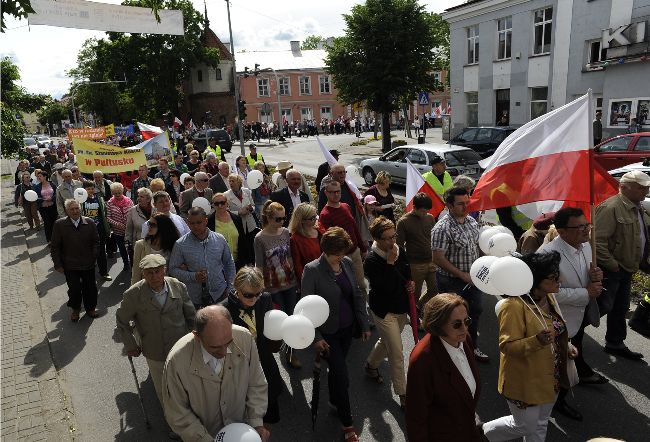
[190,125]
[149,131]
[332,161]
[416,184]
[448,112]
[177,122]
[547,159]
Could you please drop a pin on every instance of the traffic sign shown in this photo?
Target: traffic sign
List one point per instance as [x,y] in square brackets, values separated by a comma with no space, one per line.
[423,98]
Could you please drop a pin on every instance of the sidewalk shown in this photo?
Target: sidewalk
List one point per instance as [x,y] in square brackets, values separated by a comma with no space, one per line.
[34,404]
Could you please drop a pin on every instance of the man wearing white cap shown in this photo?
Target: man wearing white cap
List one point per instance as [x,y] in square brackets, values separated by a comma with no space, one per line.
[283,167]
[162,313]
[622,246]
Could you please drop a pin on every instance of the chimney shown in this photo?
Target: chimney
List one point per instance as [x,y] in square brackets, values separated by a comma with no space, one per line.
[295,48]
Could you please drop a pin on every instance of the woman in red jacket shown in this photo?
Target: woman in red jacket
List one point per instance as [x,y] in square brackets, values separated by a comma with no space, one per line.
[443,383]
[305,237]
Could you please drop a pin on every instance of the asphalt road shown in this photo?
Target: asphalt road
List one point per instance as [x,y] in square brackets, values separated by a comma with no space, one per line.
[106,405]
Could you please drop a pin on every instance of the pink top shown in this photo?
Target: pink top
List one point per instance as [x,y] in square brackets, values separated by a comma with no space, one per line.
[47,194]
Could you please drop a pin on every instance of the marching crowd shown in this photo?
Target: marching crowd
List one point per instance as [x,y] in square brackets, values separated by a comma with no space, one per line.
[202,282]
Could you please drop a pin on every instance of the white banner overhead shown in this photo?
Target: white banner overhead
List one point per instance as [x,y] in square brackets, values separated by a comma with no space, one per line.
[81,14]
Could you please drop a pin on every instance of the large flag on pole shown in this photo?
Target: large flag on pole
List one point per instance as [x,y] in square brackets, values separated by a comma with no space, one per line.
[177,122]
[546,159]
[416,184]
[149,131]
[331,161]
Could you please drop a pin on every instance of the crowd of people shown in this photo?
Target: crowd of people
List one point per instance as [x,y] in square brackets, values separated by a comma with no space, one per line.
[202,281]
[307,127]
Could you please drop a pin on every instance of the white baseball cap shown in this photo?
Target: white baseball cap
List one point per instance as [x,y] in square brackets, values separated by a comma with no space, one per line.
[636,176]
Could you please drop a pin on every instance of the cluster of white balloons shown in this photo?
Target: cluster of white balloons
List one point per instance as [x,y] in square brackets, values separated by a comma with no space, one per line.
[299,329]
[237,432]
[498,273]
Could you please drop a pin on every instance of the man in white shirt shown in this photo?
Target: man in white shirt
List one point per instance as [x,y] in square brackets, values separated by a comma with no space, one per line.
[291,196]
[219,183]
[163,203]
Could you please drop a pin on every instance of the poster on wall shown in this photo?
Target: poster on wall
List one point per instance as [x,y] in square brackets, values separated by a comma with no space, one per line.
[642,112]
[619,113]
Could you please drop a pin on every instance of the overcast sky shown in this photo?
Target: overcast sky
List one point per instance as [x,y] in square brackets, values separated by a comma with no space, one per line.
[45,53]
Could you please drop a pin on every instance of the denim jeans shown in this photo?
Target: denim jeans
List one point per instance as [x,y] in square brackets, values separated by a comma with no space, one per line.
[285,299]
[473,296]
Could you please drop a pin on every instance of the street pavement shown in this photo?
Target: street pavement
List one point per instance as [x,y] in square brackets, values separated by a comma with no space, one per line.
[104,399]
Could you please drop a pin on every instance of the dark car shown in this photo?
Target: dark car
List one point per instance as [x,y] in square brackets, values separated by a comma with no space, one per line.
[482,140]
[623,150]
[222,137]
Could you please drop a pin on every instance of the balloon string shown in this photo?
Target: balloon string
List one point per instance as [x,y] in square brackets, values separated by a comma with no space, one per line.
[544,325]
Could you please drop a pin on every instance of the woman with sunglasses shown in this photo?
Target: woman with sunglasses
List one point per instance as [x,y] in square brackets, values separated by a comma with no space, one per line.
[247,304]
[160,240]
[332,277]
[175,188]
[533,343]
[305,238]
[273,258]
[230,225]
[443,384]
[194,161]
[388,274]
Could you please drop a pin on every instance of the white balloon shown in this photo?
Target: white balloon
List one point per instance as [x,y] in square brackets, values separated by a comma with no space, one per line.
[314,308]
[298,332]
[480,274]
[254,179]
[31,196]
[275,177]
[352,170]
[183,176]
[504,229]
[237,432]
[497,307]
[273,320]
[80,195]
[501,244]
[202,203]
[511,276]
[484,238]
[33,177]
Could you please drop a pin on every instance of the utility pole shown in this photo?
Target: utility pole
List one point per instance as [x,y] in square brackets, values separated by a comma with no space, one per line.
[236,83]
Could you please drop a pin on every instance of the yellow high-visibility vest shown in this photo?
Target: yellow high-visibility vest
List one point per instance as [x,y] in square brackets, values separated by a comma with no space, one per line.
[434,182]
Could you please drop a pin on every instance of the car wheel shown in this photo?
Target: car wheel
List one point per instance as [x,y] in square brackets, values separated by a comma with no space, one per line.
[368,176]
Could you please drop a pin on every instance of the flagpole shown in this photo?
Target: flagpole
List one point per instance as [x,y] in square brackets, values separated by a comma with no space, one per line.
[592,209]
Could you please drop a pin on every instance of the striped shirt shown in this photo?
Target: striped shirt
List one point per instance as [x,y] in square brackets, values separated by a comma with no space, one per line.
[458,241]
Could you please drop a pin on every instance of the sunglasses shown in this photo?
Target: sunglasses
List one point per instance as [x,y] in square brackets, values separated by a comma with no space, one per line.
[280,219]
[220,203]
[458,323]
[313,218]
[251,295]
[580,227]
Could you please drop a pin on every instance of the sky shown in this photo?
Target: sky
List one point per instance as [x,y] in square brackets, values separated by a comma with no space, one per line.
[44,53]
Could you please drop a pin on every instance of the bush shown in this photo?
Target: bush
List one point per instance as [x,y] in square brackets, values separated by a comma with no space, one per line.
[359,143]
[640,285]
[398,143]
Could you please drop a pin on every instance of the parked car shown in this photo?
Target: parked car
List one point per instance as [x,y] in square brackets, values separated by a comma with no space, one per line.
[482,140]
[223,139]
[29,142]
[622,150]
[643,166]
[460,161]
[43,141]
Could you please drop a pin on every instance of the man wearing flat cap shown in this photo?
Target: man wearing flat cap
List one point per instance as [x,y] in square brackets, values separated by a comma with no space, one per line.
[161,312]
[533,238]
[622,247]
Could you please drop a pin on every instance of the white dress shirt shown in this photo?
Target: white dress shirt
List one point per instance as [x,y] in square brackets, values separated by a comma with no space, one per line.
[76,223]
[459,358]
[295,198]
[215,364]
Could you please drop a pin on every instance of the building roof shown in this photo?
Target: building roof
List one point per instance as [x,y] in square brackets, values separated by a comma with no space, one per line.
[212,41]
[462,5]
[282,60]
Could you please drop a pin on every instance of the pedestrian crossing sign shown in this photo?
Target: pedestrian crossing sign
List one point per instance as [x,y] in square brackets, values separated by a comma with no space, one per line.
[423,98]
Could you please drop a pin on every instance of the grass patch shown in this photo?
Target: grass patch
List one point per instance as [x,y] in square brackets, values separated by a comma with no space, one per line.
[640,285]
[359,143]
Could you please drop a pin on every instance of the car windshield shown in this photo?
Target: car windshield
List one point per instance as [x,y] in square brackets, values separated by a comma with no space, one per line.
[462,158]
[42,138]
[29,141]
[221,134]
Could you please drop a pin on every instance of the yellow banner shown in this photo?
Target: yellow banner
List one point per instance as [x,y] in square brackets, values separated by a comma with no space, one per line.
[110,130]
[93,156]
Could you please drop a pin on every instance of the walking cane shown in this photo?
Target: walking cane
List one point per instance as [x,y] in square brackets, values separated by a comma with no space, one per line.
[137,385]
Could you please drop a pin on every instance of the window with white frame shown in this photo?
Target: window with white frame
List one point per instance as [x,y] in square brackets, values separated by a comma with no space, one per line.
[472,45]
[218,74]
[538,101]
[326,112]
[471,98]
[305,113]
[286,113]
[266,117]
[284,86]
[263,87]
[543,26]
[305,85]
[324,82]
[596,53]
[504,30]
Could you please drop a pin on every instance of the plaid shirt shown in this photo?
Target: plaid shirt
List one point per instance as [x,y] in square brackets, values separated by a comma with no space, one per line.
[458,241]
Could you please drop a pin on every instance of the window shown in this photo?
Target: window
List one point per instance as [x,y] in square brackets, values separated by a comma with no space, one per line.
[396,156]
[324,82]
[472,45]
[504,29]
[219,74]
[416,156]
[616,145]
[467,135]
[543,26]
[326,112]
[538,101]
[199,75]
[305,113]
[286,113]
[472,108]
[263,87]
[284,86]
[643,144]
[484,135]
[596,54]
[305,85]
[265,117]
[462,158]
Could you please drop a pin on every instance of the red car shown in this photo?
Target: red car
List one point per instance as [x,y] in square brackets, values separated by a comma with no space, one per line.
[623,150]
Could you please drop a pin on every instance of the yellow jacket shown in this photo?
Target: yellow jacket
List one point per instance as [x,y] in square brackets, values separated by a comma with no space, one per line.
[435,184]
[526,369]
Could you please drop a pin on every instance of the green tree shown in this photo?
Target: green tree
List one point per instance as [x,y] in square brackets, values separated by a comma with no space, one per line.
[312,42]
[15,101]
[155,66]
[52,113]
[389,51]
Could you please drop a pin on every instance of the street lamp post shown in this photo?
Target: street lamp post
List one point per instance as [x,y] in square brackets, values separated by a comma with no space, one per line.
[277,83]
[240,124]
[74,111]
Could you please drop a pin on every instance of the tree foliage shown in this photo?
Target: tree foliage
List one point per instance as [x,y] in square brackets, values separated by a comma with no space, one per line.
[15,101]
[312,42]
[52,113]
[390,50]
[154,66]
